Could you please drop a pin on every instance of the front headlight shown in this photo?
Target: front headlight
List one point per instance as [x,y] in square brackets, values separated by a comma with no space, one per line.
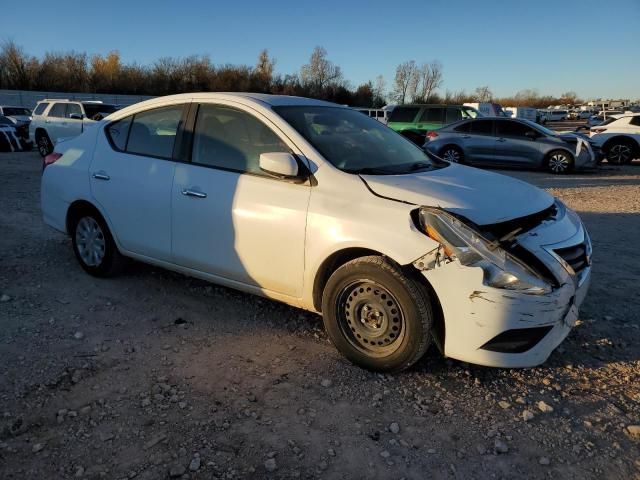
[501,269]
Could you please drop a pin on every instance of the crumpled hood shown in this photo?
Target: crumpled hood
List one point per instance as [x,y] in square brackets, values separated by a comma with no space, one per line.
[480,196]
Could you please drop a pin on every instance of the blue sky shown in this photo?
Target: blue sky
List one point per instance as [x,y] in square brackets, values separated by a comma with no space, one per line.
[589,46]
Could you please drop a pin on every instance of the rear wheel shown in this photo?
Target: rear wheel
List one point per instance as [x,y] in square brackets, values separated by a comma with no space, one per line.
[452,154]
[620,151]
[376,316]
[94,246]
[559,162]
[45,147]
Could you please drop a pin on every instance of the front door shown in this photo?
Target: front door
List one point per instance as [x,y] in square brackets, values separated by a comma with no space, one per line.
[229,218]
[513,146]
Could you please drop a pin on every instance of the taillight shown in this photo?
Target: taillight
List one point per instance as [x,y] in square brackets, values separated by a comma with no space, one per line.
[431,135]
[49,159]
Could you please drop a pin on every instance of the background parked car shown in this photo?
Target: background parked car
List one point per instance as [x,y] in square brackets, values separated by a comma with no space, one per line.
[53,120]
[488,109]
[414,121]
[10,138]
[524,113]
[19,116]
[506,142]
[619,138]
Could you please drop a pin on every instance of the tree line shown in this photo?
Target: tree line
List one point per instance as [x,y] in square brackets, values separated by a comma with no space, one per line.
[77,72]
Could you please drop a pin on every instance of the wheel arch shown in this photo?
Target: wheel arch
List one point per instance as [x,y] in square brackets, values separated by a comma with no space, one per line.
[78,207]
[625,138]
[345,255]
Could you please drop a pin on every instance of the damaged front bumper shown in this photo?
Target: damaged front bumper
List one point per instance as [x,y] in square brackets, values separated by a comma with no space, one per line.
[504,328]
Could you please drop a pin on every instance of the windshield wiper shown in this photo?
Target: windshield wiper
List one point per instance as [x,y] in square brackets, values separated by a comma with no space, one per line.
[370,171]
[420,166]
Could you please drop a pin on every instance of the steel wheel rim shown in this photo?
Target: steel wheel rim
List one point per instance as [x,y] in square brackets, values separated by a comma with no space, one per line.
[451,155]
[90,241]
[370,318]
[559,163]
[619,153]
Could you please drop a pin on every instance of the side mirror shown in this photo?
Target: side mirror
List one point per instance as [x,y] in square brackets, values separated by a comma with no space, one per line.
[280,164]
[531,135]
[75,116]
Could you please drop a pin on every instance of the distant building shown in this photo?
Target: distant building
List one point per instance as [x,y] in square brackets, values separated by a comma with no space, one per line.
[609,103]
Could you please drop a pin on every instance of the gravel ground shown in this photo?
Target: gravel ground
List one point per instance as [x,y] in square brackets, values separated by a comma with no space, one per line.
[154,375]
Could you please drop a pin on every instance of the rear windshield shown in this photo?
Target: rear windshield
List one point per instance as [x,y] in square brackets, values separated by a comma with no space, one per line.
[404,114]
[11,111]
[93,109]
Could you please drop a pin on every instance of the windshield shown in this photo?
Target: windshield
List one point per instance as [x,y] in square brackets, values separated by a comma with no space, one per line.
[92,109]
[12,111]
[354,142]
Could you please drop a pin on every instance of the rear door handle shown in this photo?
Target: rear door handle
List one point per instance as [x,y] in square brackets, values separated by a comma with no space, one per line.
[101,176]
[193,193]
[501,140]
[466,136]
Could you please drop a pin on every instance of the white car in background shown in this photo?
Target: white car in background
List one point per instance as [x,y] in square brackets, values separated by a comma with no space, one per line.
[618,137]
[323,208]
[57,119]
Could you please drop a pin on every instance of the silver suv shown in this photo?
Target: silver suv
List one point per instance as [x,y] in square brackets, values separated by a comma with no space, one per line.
[56,119]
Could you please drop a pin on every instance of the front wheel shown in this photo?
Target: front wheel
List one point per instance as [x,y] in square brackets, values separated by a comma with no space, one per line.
[376,316]
[559,162]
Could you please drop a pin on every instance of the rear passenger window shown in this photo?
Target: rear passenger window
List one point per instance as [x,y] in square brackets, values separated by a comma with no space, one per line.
[40,108]
[432,115]
[73,109]
[403,114]
[232,140]
[463,128]
[58,110]
[482,127]
[635,120]
[153,132]
[453,115]
[118,131]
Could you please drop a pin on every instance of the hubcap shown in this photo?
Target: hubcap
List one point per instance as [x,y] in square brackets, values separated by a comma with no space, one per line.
[559,163]
[619,153]
[451,155]
[90,241]
[370,318]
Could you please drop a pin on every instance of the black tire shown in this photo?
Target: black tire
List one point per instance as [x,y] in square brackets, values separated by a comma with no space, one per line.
[393,330]
[111,261]
[559,162]
[621,151]
[45,147]
[452,153]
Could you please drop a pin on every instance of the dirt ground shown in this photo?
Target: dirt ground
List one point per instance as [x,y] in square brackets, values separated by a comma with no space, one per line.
[153,375]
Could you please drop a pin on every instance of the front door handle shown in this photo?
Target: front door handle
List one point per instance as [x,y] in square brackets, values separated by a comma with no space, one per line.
[466,136]
[501,140]
[101,176]
[193,193]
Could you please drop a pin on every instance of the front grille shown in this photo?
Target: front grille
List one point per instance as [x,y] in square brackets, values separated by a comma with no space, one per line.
[575,256]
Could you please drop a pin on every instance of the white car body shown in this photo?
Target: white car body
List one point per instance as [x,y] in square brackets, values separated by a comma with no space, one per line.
[618,131]
[277,238]
[524,113]
[487,109]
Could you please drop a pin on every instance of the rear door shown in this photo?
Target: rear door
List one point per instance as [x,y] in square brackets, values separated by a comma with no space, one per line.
[513,146]
[56,121]
[479,141]
[431,118]
[132,175]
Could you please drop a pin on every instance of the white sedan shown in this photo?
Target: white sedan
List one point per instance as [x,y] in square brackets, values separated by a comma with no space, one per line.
[326,209]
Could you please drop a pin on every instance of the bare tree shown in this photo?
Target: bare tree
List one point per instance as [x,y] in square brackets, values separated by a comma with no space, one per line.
[264,67]
[320,72]
[483,94]
[14,66]
[379,88]
[405,76]
[429,79]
